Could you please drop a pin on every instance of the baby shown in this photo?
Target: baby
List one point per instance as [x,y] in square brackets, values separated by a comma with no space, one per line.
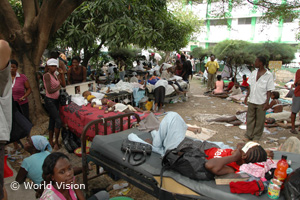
[112,106]
[93,100]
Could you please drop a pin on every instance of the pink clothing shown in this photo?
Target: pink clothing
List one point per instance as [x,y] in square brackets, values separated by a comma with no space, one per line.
[54,83]
[219,87]
[53,194]
[258,169]
[18,88]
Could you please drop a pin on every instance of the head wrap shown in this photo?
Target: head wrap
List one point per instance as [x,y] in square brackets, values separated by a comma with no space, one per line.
[52,62]
[249,145]
[41,143]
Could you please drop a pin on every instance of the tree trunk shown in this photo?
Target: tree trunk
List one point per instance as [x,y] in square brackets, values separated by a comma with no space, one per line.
[36,110]
[167,56]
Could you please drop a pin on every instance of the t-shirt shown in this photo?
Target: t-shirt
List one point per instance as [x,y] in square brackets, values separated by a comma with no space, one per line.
[259,88]
[245,83]
[33,165]
[5,104]
[50,193]
[220,153]
[230,85]
[134,80]
[235,91]
[212,67]
[18,88]
[161,82]
[297,89]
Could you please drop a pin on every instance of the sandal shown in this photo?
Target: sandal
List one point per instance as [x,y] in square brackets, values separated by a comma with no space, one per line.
[293,131]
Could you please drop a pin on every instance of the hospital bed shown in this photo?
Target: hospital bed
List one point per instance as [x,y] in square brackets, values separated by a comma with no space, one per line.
[106,152]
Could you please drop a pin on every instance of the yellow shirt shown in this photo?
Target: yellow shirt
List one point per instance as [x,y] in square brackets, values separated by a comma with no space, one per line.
[212,67]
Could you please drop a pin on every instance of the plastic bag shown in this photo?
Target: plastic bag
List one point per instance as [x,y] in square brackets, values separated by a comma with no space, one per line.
[292,186]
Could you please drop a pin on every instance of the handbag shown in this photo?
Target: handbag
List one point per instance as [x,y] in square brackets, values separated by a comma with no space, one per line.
[71,142]
[136,151]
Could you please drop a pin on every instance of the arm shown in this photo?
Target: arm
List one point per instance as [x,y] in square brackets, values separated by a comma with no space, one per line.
[247,95]
[48,86]
[5,52]
[84,74]
[267,101]
[69,76]
[28,90]
[21,176]
[61,77]
[218,166]
[271,104]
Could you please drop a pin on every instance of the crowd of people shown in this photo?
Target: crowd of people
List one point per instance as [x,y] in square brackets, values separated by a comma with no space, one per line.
[44,165]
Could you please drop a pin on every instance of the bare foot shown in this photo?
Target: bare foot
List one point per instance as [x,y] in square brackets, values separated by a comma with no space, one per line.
[148,140]
[56,147]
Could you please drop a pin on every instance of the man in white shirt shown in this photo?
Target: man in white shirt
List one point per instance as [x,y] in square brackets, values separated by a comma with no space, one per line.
[261,84]
[5,107]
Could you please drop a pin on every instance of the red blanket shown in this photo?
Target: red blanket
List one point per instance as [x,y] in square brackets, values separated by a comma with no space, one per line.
[76,117]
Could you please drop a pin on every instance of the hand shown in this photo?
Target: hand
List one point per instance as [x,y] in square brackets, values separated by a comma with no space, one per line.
[22,98]
[246,101]
[270,154]
[60,70]
[266,106]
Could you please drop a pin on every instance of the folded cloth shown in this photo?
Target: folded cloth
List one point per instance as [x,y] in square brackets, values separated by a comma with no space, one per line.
[243,187]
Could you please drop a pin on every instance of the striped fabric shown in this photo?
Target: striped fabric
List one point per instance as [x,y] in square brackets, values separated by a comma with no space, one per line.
[54,83]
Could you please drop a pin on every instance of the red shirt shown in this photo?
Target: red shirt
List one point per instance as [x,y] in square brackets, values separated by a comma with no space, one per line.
[297,89]
[245,83]
[18,88]
[230,85]
[220,153]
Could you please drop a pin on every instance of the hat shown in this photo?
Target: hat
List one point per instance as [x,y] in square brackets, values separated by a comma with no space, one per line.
[52,62]
[249,145]
[134,73]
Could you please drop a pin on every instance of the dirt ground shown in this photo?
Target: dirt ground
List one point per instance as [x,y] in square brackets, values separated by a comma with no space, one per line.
[229,135]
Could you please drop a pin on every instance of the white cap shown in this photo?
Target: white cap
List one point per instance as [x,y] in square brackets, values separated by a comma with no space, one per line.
[52,62]
[249,145]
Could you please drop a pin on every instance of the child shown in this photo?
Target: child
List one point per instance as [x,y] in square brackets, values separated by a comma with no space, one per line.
[275,106]
[93,100]
[231,84]
[219,85]
[236,90]
[59,174]
[244,85]
[112,106]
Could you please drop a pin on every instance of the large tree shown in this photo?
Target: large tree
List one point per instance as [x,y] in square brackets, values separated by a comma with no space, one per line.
[29,36]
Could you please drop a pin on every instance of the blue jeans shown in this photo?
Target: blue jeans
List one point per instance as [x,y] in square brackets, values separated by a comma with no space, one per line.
[122,75]
[52,106]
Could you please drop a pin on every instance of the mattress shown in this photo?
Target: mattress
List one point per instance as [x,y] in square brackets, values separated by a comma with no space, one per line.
[76,117]
[109,148]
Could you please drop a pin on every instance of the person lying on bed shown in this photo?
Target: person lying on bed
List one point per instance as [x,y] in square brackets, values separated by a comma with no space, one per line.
[171,134]
[93,100]
[120,107]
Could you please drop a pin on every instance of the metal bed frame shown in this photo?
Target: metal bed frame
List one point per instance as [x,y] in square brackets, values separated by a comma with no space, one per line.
[85,156]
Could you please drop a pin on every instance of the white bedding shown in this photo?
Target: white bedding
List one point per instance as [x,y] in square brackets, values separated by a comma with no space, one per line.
[169,89]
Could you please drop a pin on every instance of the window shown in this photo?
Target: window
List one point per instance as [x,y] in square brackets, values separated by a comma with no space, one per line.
[218,22]
[244,21]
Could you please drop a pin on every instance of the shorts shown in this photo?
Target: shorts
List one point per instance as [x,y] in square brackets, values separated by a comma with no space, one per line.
[296,104]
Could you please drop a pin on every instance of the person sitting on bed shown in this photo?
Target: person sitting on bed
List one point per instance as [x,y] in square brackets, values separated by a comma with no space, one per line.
[93,100]
[171,134]
[275,106]
[119,107]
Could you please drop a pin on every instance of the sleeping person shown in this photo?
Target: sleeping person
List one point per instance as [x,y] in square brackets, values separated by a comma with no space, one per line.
[93,100]
[171,134]
[120,107]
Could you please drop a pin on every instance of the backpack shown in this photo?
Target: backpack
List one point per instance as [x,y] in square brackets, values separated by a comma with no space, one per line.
[187,161]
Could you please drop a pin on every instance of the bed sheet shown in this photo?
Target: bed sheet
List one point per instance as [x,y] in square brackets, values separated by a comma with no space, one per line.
[170,90]
[109,147]
[76,117]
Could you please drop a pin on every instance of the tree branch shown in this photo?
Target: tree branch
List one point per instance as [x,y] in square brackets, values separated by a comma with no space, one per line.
[29,9]
[9,23]
[66,8]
